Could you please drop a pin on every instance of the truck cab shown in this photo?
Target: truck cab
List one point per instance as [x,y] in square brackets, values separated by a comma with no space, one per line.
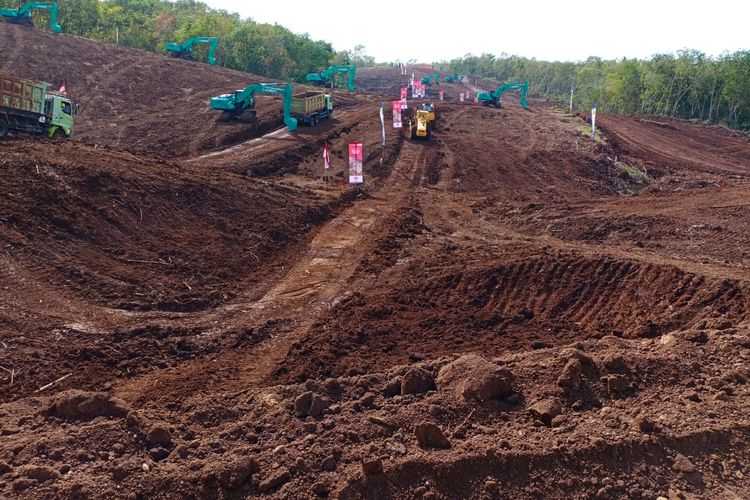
[60,111]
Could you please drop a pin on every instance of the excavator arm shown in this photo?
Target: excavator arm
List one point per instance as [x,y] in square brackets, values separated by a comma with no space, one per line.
[185,49]
[236,103]
[435,76]
[493,98]
[326,77]
[22,15]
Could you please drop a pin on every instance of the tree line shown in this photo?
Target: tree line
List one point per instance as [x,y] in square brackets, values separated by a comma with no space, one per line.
[688,84]
[264,49]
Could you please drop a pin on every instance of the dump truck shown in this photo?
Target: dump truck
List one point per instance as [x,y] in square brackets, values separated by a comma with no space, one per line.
[311,107]
[27,106]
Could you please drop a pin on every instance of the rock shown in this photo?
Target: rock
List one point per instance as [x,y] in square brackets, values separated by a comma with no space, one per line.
[118,449]
[64,469]
[616,384]
[418,492]
[545,410]
[614,363]
[310,404]
[645,424]
[319,488]
[22,484]
[367,401]
[158,454]
[429,435]
[573,353]
[145,467]
[570,377]
[83,405]
[475,378]
[158,436]
[415,357]
[39,473]
[372,466]
[392,388]
[275,481]
[558,421]
[4,467]
[693,396]
[417,381]
[688,470]
[329,463]
[734,377]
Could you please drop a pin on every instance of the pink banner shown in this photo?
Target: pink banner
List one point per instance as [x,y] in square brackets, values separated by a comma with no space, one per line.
[442,94]
[356,174]
[397,114]
[403,103]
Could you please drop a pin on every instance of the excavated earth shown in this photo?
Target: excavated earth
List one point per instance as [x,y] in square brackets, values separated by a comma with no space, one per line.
[195,309]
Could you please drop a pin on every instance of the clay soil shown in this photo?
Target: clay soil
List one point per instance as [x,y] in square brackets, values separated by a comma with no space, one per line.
[194,309]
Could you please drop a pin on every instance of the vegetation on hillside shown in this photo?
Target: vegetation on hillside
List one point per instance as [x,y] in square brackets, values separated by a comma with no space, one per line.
[688,84]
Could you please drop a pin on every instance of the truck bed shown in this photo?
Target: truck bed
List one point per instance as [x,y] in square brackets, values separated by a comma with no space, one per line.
[305,103]
[24,95]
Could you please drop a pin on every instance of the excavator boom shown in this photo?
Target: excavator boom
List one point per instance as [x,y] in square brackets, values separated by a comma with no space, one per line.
[236,103]
[493,98]
[326,77]
[435,76]
[22,15]
[185,49]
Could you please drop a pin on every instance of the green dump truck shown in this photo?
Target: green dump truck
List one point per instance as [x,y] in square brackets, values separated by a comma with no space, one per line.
[27,106]
[311,107]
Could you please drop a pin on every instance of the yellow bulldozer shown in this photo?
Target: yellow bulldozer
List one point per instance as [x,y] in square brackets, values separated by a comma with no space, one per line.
[423,121]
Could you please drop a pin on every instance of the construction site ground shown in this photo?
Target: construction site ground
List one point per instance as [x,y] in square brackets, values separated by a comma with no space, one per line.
[195,309]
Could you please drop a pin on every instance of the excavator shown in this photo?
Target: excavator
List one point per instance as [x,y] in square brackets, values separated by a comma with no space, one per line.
[184,50]
[327,77]
[493,98]
[240,105]
[455,77]
[435,76]
[22,15]
[423,121]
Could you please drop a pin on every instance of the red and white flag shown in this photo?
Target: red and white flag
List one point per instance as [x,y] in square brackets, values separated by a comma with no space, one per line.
[326,158]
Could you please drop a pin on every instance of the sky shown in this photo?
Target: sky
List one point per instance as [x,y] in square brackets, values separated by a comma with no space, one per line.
[560,30]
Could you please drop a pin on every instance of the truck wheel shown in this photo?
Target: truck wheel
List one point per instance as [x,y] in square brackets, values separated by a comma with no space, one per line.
[3,130]
[59,135]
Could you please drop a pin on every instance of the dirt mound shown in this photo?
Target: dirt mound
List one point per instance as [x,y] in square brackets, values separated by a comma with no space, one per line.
[80,405]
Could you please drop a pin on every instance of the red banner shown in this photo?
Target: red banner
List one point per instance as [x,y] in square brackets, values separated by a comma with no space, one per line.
[442,94]
[356,175]
[396,114]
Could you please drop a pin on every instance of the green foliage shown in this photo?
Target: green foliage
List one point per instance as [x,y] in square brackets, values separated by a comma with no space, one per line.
[688,84]
[264,49]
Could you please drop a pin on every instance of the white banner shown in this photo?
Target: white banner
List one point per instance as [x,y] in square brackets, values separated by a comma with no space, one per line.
[356,174]
[461,97]
[593,121]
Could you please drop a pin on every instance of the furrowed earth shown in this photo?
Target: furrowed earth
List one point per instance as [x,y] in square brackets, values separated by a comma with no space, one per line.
[193,309]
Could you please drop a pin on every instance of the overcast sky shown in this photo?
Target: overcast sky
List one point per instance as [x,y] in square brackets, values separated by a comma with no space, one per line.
[545,29]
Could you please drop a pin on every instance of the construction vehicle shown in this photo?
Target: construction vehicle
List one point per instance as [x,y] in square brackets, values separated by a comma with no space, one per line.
[327,77]
[426,80]
[240,104]
[423,122]
[455,77]
[493,98]
[311,107]
[22,15]
[184,50]
[27,106]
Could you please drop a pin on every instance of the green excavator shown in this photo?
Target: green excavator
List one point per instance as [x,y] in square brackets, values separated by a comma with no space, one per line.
[22,15]
[455,77]
[327,77]
[426,80]
[240,104]
[184,50]
[493,98]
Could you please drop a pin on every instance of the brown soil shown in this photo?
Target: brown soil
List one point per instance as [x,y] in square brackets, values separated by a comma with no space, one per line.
[202,315]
